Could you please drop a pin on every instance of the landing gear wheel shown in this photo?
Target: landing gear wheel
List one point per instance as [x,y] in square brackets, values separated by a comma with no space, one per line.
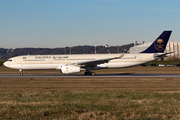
[90,73]
[93,73]
[21,74]
[86,73]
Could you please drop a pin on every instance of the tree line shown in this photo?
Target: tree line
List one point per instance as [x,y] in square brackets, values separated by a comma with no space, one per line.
[8,53]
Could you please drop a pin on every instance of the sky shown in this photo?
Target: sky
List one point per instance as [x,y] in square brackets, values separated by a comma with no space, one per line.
[59,23]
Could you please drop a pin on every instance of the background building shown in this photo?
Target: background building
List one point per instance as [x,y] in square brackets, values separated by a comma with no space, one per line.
[171,47]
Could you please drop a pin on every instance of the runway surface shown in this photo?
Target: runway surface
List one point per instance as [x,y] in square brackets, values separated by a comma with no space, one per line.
[124,75]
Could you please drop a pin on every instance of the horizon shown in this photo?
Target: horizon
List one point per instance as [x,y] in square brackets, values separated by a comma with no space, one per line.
[69,46]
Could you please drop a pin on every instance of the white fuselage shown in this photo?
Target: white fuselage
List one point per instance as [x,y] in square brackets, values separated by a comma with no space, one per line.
[31,62]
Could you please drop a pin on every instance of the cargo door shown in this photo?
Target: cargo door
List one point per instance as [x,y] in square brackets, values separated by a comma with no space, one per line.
[140,58]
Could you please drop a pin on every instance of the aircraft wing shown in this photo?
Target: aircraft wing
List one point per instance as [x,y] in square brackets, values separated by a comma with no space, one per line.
[98,61]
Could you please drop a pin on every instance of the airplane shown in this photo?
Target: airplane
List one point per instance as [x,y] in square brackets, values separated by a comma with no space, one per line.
[68,64]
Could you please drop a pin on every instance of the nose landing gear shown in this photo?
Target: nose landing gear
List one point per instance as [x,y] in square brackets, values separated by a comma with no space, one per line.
[21,73]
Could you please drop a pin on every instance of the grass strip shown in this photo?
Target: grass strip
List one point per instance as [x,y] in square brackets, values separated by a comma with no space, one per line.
[90,105]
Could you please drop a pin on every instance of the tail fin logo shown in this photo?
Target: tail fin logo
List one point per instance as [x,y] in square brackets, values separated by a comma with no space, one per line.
[159,45]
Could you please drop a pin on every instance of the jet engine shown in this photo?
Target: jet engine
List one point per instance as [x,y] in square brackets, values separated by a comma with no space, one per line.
[70,69]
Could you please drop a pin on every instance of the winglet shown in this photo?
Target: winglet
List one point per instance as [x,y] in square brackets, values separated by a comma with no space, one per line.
[159,45]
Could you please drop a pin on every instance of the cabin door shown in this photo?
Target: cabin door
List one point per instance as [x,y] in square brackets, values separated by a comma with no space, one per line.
[19,61]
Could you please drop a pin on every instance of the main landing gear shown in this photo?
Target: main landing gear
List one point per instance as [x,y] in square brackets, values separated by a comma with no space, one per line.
[21,73]
[90,73]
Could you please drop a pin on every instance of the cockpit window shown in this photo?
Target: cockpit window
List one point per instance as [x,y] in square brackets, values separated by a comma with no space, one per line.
[10,60]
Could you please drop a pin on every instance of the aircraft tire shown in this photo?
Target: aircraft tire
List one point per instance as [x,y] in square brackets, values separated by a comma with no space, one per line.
[93,73]
[86,73]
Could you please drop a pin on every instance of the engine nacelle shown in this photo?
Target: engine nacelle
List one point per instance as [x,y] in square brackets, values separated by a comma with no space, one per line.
[70,69]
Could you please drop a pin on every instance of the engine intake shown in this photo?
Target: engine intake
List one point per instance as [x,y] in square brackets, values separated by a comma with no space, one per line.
[67,69]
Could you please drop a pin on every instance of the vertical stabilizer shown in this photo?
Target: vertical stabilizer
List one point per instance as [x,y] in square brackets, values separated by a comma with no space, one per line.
[159,45]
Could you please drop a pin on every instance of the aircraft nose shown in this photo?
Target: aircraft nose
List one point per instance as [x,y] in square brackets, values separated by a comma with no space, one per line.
[5,63]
